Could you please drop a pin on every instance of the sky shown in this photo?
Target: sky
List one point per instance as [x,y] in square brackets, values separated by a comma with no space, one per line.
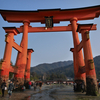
[51,46]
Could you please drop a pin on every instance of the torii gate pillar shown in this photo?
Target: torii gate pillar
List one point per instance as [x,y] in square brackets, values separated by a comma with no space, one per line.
[5,66]
[78,56]
[91,81]
[75,65]
[22,56]
[27,70]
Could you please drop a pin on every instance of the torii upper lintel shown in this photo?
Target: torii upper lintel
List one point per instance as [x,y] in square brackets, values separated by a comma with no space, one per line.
[59,14]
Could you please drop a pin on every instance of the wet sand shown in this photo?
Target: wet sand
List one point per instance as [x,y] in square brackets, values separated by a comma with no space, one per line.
[61,92]
[51,92]
[67,93]
[19,95]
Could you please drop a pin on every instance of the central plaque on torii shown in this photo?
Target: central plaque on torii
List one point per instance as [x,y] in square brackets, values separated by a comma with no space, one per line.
[49,22]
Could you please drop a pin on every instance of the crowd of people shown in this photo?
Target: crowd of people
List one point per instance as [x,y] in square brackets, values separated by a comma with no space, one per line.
[10,87]
[4,87]
[37,84]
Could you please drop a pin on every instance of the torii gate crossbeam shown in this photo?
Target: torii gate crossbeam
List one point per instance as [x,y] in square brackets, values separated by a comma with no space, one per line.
[54,29]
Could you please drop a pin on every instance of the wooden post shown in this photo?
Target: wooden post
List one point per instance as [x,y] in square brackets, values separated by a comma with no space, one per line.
[80,76]
[91,81]
[22,56]
[5,65]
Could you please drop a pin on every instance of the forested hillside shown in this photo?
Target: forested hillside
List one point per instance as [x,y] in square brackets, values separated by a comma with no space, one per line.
[43,68]
[62,69]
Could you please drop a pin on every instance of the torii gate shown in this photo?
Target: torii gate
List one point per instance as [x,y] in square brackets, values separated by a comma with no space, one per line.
[84,72]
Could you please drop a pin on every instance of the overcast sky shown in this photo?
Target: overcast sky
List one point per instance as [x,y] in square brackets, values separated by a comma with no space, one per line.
[52,46]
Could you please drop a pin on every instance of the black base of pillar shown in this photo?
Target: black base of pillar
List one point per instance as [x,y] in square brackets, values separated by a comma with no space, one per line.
[20,82]
[78,86]
[91,86]
[26,85]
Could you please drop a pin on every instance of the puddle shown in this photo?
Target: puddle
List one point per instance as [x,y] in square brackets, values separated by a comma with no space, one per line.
[60,92]
[41,95]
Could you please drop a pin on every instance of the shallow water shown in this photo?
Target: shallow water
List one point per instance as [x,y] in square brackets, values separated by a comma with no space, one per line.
[60,92]
[42,95]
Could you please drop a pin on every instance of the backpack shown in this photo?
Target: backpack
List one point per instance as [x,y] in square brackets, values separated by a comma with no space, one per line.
[3,86]
[11,86]
[99,84]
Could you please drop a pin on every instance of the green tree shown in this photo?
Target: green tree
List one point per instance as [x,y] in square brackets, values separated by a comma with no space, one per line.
[34,76]
[1,60]
[10,75]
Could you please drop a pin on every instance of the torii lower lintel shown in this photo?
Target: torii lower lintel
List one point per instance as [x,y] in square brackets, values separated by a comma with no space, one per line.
[54,29]
[43,29]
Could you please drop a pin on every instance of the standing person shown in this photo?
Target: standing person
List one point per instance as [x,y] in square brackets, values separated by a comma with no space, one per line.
[74,86]
[40,85]
[16,86]
[3,85]
[82,87]
[29,83]
[10,88]
[23,88]
[37,84]
[34,86]
[98,85]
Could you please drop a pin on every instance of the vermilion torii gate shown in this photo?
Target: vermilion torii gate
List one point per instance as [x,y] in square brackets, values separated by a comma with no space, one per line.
[6,66]
[84,70]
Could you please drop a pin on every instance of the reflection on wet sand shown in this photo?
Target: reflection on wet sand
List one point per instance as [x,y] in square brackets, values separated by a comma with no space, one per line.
[51,92]
[60,92]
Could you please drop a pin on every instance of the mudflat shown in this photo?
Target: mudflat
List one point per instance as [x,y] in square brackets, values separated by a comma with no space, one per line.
[51,92]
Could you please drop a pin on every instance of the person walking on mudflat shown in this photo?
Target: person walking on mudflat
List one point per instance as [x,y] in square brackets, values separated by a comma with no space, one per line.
[40,85]
[3,85]
[29,83]
[10,88]
[98,86]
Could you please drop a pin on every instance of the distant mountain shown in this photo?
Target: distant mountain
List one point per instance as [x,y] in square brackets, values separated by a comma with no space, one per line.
[97,61]
[69,70]
[97,66]
[42,68]
[65,68]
